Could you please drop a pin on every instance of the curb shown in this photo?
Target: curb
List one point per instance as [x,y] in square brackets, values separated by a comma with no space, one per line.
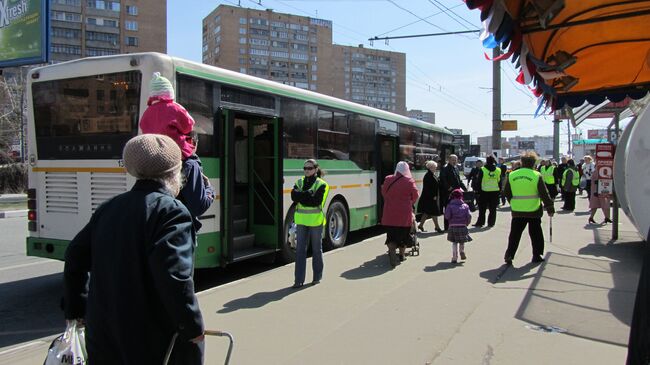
[13,214]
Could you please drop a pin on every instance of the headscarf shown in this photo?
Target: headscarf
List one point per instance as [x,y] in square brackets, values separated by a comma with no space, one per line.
[457,194]
[403,168]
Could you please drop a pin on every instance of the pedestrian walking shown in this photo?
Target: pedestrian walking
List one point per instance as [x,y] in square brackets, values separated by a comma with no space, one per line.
[400,193]
[559,172]
[309,194]
[429,202]
[588,170]
[128,272]
[459,217]
[548,174]
[489,179]
[450,180]
[504,169]
[164,116]
[570,182]
[526,191]
[583,182]
[598,200]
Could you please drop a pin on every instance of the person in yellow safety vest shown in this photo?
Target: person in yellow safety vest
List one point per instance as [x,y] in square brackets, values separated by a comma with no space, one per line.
[548,173]
[309,193]
[526,191]
[570,183]
[489,181]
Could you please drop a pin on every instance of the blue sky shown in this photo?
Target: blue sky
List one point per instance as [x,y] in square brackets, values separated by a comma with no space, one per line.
[447,75]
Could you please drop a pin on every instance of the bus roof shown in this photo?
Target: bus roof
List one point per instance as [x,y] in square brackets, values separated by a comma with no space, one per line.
[245,81]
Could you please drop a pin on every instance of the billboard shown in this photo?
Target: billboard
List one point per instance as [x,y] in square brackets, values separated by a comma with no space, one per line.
[23,32]
[526,145]
[597,134]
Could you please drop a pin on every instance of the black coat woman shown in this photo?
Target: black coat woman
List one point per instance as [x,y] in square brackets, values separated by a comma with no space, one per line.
[429,203]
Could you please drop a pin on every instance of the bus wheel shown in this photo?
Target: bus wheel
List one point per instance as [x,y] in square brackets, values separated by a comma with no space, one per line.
[288,251]
[336,232]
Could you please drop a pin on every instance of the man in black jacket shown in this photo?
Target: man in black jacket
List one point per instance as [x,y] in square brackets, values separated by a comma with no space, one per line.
[138,249]
[449,180]
[559,171]
[488,181]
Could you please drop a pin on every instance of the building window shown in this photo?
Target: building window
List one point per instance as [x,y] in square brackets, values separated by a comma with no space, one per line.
[242,40]
[115,6]
[217,29]
[66,33]
[65,49]
[67,2]
[132,41]
[132,10]
[242,70]
[102,37]
[131,25]
[314,78]
[110,23]
[66,17]
[92,51]
[91,21]
[242,20]
[242,30]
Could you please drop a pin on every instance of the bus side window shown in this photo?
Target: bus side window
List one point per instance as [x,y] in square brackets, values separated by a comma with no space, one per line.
[195,95]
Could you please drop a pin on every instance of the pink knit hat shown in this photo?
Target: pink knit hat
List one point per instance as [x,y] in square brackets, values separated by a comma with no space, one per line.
[457,194]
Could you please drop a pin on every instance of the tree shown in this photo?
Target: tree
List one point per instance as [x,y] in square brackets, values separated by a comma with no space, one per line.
[11,91]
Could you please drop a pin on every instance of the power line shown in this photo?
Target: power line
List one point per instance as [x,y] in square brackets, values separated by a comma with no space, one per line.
[417,16]
[417,21]
[447,11]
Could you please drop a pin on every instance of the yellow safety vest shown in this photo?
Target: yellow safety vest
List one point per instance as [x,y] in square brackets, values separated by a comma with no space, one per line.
[311,216]
[575,181]
[490,180]
[525,196]
[548,174]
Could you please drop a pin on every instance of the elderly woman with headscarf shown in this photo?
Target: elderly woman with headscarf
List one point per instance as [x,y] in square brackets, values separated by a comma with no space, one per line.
[400,193]
[429,203]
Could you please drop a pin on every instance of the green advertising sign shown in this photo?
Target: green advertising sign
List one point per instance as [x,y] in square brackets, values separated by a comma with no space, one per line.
[23,32]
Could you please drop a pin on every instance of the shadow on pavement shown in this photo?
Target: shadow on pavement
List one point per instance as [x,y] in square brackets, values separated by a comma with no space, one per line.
[259,300]
[506,273]
[375,267]
[582,213]
[443,265]
[30,309]
[590,298]
[429,234]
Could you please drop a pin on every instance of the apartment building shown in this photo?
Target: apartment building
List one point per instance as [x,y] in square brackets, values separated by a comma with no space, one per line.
[86,28]
[298,51]
[429,117]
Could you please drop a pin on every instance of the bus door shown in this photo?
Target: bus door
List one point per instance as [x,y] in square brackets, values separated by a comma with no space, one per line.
[387,147]
[251,185]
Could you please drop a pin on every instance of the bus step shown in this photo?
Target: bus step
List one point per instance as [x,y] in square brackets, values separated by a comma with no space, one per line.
[239,212]
[239,226]
[252,252]
[243,242]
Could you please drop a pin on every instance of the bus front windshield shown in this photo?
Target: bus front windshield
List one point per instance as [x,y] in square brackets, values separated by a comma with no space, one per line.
[87,117]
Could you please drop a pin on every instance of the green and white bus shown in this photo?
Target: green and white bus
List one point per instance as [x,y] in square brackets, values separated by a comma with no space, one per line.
[254,135]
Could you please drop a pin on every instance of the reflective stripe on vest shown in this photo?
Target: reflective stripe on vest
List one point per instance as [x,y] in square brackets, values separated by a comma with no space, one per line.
[548,174]
[575,180]
[311,216]
[525,196]
[490,180]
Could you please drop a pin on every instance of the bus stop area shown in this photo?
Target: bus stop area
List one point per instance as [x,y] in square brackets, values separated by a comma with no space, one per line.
[574,308]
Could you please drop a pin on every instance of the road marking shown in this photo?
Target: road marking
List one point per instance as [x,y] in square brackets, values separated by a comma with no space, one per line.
[28,264]
[17,348]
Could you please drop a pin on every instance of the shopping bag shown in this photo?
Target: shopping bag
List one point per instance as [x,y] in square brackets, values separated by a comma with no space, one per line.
[69,348]
[583,183]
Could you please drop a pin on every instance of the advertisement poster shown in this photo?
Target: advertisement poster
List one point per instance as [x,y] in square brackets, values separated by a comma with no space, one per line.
[23,32]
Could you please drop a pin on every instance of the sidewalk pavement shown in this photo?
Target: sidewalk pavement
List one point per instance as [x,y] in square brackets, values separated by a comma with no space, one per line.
[575,308]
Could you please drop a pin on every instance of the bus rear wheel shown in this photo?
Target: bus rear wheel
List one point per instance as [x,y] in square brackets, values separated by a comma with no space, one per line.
[336,231]
[288,249]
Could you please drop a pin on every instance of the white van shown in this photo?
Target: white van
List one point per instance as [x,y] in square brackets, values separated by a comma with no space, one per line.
[470,163]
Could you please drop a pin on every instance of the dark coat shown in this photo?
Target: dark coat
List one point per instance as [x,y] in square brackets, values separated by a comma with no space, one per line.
[195,194]
[138,248]
[429,202]
[449,180]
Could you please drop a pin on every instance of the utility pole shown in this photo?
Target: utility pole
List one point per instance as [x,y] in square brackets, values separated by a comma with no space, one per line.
[496,102]
[568,137]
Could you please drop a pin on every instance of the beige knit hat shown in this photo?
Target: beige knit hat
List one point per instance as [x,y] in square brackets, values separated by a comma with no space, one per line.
[151,156]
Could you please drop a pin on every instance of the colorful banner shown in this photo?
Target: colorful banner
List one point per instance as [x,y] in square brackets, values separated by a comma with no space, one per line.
[23,32]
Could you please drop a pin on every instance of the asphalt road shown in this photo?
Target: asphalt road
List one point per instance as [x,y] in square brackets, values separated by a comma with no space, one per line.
[31,288]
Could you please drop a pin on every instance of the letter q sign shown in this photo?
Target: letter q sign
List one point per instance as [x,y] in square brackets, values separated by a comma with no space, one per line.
[605,172]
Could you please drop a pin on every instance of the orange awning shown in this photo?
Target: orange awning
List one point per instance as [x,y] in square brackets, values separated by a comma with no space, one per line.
[574,50]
